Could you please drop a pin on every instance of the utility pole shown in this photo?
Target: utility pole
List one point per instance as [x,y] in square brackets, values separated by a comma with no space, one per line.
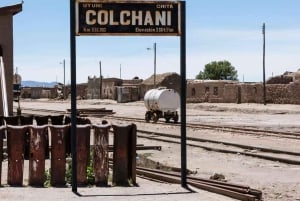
[64,87]
[100,79]
[120,71]
[264,50]
[154,79]
[154,75]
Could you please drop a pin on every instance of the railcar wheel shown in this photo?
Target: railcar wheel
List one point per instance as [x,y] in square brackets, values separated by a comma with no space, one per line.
[175,118]
[148,116]
[167,119]
[155,117]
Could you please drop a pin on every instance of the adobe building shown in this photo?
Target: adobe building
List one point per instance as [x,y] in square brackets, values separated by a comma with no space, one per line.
[169,80]
[210,91]
[108,90]
[282,89]
[6,42]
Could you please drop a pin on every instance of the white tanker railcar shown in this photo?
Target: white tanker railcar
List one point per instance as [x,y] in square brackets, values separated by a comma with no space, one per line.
[161,103]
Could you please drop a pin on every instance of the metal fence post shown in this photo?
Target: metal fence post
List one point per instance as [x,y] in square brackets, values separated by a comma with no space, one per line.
[83,152]
[132,154]
[15,150]
[58,154]
[100,154]
[124,154]
[26,120]
[37,155]
[40,121]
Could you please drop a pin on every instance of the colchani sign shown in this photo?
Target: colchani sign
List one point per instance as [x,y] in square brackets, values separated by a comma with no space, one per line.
[127,17]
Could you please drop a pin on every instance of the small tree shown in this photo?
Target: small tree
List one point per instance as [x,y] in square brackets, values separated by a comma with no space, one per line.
[218,70]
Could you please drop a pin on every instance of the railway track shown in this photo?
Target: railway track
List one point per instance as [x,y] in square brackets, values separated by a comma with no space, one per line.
[240,192]
[207,144]
[232,129]
[34,111]
[244,193]
[223,128]
[226,147]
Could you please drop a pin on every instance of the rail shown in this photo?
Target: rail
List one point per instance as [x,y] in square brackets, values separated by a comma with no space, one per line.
[226,147]
[240,192]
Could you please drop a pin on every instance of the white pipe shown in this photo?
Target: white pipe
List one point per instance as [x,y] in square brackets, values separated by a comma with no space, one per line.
[3,87]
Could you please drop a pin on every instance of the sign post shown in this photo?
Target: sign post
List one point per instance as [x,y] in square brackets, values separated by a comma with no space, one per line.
[183,95]
[128,18]
[73,95]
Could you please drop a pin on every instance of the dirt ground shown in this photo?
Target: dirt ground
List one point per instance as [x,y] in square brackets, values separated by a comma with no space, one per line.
[278,181]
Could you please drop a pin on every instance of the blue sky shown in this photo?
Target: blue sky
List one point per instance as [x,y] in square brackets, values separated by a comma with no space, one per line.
[216,30]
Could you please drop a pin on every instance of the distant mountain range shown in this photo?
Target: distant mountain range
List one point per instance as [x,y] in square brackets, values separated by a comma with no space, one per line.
[31,83]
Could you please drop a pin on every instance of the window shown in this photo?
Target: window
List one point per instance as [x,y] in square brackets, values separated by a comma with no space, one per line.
[206,89]
[215,91]
[255,90]
[193,91]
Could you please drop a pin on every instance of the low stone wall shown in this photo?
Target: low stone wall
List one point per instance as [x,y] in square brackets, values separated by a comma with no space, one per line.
[283,93]
[294,90]
[278,94]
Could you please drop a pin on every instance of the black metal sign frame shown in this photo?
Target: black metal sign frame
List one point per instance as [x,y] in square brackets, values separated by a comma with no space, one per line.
[158,18]
[181,32]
